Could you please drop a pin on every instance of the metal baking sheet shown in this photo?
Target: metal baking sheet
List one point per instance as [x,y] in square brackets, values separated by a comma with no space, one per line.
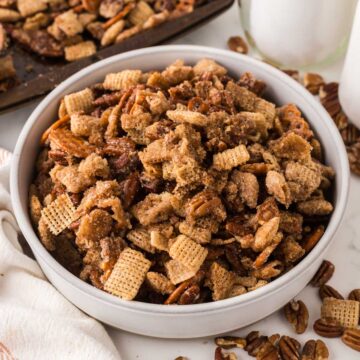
[39,76]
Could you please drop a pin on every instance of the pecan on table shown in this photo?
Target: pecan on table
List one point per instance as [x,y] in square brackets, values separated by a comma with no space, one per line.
[238,44]
[229,342]
[315,350]
[289,348]
[328,291]
[324,274]
[297,314]
[328,327]
[351,338]
[354,295]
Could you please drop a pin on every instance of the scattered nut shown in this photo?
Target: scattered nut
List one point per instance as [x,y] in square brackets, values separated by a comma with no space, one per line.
[297,314]
[229,342]
[324,274]
[238,44]
[315,350]
[354,295]
[220,355]
[328,291]
[289,348]
[351,338]
[328,327]
[313,82]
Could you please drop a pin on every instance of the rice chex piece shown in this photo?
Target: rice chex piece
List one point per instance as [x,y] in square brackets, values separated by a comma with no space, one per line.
[29,7]
[79,101]
[222,281]
[249,101]
[159,283]
[185,116]
[141,238]
[122,80]
[80,50]
[140,13]
[177,272]
[59,214]
[188,252]
[128,274]
[346,312]
[231,158]
[69,23]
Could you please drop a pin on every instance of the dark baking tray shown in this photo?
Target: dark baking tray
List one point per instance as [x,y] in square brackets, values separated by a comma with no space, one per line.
[45,75]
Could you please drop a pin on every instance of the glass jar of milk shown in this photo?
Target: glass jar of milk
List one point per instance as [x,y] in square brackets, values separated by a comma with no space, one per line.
[297,33]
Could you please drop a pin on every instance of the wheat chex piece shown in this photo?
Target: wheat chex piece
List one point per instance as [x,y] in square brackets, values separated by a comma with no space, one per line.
[188,252]
[198,234]
[8,15]
[122,80]
[79,101]
[128,274]
[248,101]
[141,238]
[159,241]
[59,214]
[140,13]
[80,50]
[31,7]
[159,283]
[69,23]
[231,158]
[177,272]
[112,32]
[346,312]
[185,116]
[222,281]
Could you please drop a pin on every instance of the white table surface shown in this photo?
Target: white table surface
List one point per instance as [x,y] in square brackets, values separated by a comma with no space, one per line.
[344,253]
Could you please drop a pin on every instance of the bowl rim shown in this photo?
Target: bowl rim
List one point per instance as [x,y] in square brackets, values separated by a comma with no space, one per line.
[136,306]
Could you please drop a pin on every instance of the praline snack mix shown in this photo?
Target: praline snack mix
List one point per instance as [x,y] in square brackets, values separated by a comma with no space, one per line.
[187,185]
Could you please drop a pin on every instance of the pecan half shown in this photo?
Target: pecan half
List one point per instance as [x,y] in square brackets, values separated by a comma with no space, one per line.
[297,314]
[289,348]
[238,44]
[351,338]
[313,238]
[313,82]
[315,350]
[190,295]
[328,291]
[229,342]
[254,342]
[268,352]
[354,295]
[324,274]
[328,327]
[219,355]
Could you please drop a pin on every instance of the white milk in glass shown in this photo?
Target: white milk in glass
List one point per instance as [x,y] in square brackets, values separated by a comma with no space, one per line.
[297,32]
[349,91]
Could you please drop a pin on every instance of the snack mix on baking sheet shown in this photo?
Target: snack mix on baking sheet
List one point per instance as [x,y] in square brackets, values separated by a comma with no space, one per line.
[74,29]
[179,186]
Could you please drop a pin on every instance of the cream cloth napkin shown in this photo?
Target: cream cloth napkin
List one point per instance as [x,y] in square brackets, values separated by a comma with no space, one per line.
[36,321]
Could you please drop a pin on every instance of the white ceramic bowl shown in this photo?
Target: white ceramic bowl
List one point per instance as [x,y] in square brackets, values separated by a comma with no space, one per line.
[191,320]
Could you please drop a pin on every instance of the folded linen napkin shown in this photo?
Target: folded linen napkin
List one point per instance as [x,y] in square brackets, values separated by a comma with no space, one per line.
[36,321]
